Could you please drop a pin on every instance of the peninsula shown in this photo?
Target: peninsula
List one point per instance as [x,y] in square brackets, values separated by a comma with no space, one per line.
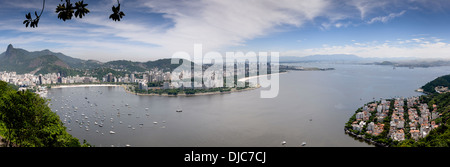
[404,122]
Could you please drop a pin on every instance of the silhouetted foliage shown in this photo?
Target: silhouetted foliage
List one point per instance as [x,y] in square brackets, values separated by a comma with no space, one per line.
[33,22]
[117,14]
[67,10]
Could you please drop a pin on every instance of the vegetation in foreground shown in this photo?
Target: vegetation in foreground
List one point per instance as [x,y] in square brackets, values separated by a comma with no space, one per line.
[27,121]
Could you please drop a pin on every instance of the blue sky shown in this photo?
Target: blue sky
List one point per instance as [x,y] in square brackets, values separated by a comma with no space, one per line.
[154,29]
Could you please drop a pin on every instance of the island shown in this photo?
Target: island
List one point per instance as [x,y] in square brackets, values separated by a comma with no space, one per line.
[297,68]
[403,122]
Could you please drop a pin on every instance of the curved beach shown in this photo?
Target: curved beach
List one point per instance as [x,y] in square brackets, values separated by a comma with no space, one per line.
[84,85]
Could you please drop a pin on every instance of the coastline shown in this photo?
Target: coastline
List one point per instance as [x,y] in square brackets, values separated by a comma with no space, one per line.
[141,94]
[197,94]
[361,137]
[210,93]
[84,85]
[247,78]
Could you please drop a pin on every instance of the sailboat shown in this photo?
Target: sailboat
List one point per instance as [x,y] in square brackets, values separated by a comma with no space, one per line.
[179,109]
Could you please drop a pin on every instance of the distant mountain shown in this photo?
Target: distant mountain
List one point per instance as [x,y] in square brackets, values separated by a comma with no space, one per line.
[46,61]
[344,58]
[416,63]
[321,58]
[22,61]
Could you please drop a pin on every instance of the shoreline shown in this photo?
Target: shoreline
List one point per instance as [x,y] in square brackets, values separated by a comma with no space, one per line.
[210,93]
[233,90]
[362,137]
[197,94]
[84,85]
[247,78]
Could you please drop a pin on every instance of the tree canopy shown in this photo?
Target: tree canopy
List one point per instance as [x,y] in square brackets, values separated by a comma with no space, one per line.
[440,81]
[27,120]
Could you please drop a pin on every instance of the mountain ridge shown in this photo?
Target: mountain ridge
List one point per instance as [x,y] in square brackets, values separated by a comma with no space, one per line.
[336,58]
[23,61]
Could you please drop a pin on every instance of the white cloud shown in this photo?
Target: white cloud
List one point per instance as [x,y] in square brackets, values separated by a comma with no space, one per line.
[217,24]
[419,48]
[366,7]
[385,19]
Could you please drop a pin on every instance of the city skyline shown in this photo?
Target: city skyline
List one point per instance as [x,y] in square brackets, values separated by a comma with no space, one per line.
[157,29]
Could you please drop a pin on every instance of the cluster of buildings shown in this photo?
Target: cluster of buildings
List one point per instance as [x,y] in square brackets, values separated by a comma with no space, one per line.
[30,80]
[147,76]
[381,111]
[215,77]
[421,122]
[417,120]
[441,89]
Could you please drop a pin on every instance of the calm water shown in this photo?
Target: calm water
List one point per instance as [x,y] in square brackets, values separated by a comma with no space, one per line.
[328,98]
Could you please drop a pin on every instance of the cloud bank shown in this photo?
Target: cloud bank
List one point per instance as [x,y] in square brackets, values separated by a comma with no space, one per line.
[155,29]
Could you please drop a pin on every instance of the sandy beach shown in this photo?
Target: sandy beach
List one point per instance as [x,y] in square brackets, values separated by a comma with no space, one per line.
[84,85]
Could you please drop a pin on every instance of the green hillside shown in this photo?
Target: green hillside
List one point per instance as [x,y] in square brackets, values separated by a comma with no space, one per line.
[46,61]
[440,81]
[27,121]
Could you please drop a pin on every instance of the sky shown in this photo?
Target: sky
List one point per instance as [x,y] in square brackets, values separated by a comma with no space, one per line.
[155,29]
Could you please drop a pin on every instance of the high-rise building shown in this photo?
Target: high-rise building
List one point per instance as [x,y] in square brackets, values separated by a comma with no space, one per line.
[109,78]
[143,85]
[40,79]
[132,78]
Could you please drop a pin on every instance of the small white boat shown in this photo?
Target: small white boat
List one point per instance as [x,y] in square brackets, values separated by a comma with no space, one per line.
[155,123]
[283,143]
[303,144]
[179,109]
[112,132]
